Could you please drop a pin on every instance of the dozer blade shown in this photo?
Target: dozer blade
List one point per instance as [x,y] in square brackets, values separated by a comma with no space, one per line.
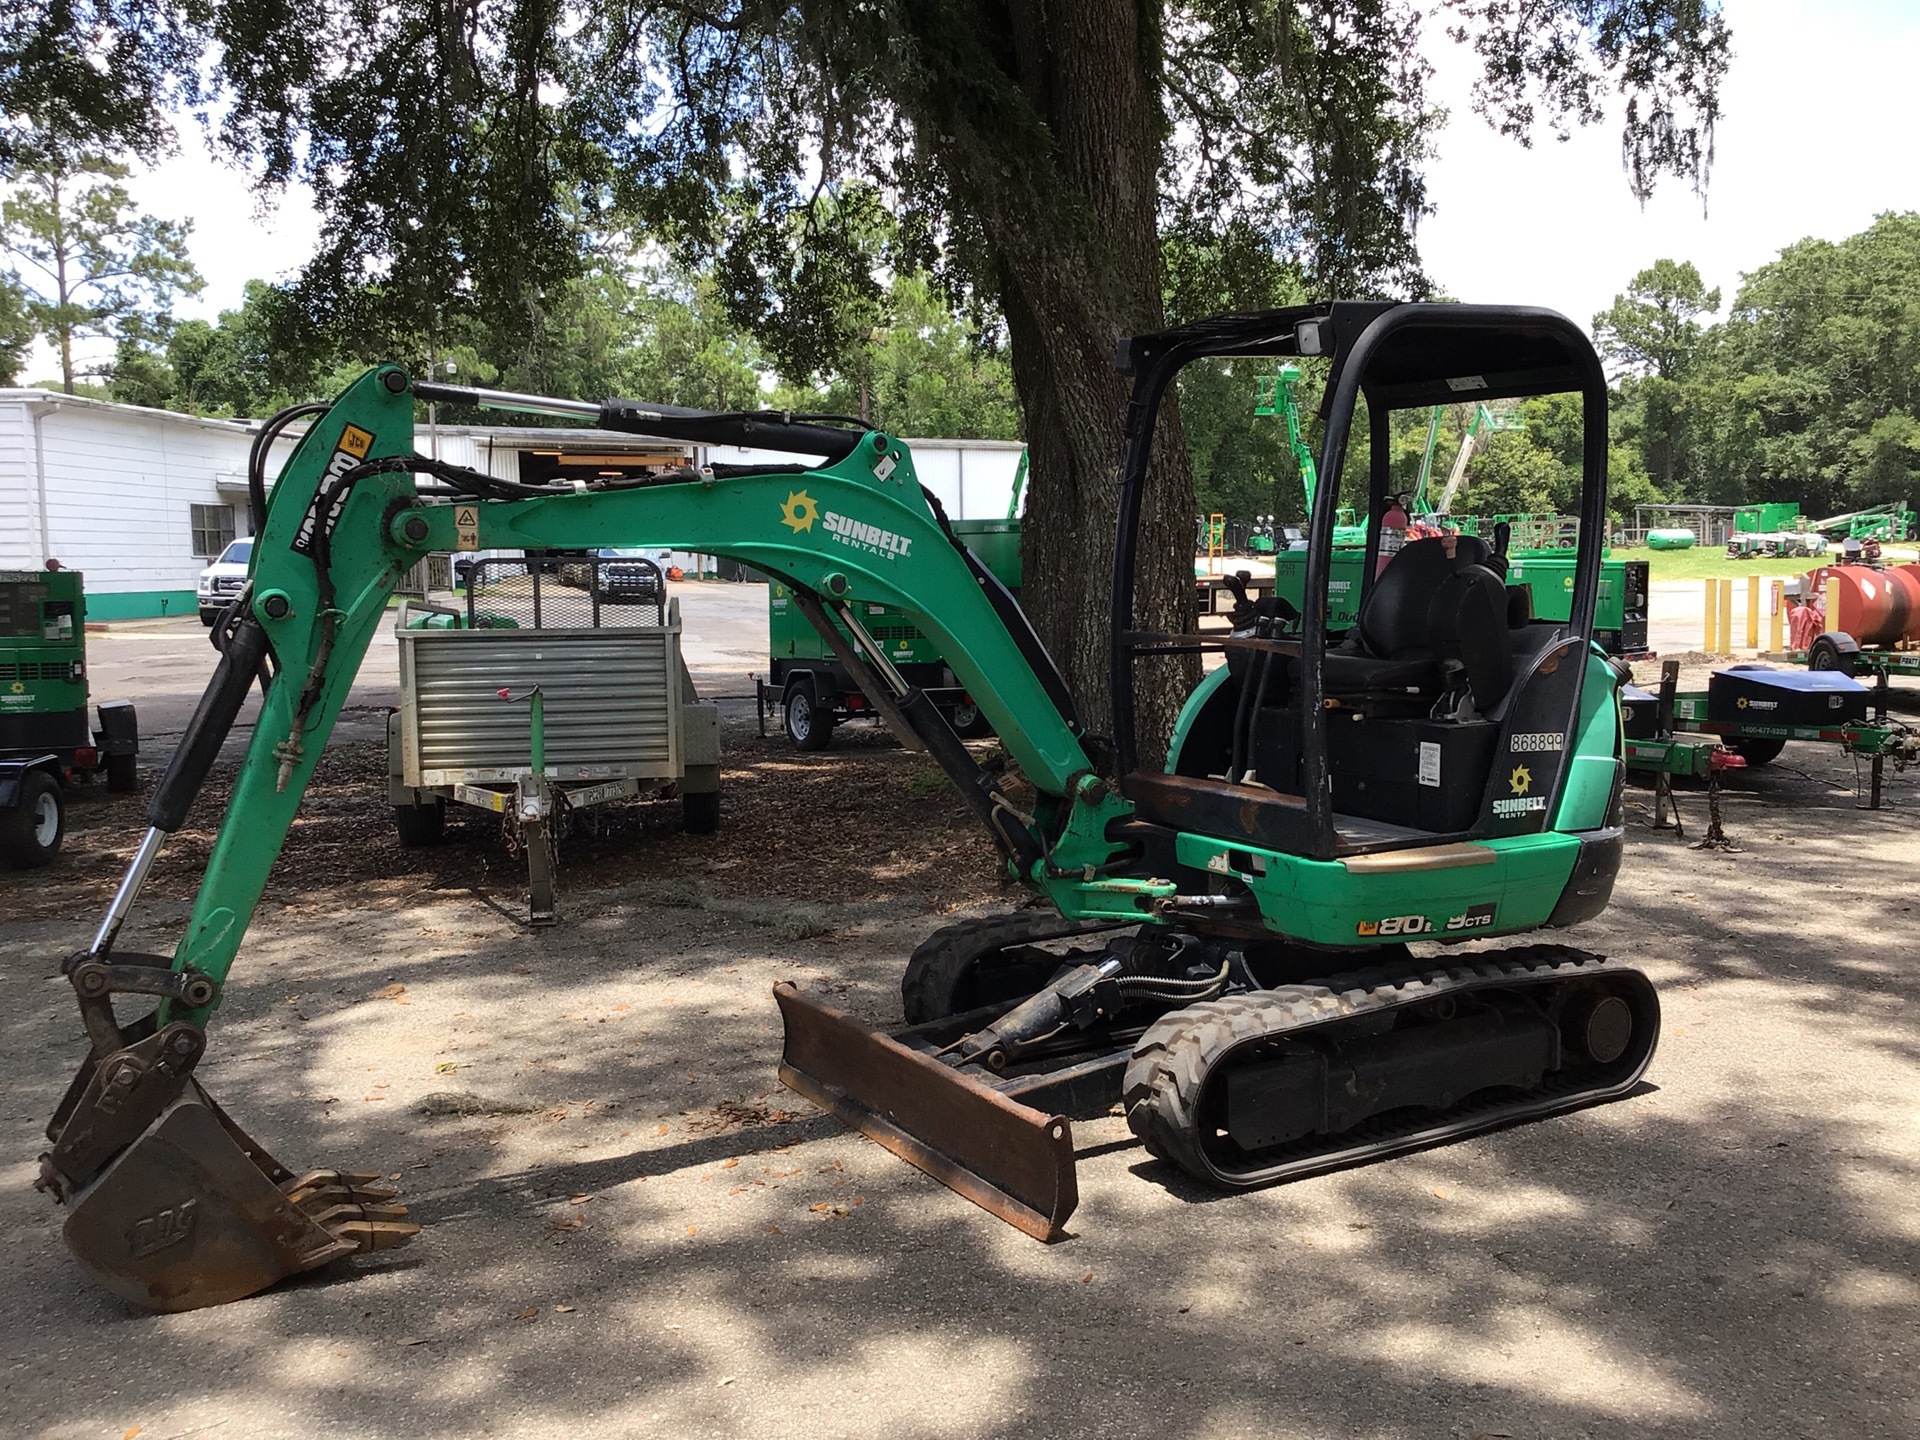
[1009,1159]
[194,1213]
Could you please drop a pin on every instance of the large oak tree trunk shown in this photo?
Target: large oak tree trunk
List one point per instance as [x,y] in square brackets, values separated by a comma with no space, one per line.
[1079,270]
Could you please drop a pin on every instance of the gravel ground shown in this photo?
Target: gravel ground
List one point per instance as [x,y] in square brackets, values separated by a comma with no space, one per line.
[631,1229]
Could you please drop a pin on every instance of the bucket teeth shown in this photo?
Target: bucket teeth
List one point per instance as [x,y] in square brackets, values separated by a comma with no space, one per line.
[319,1188]
[366,1227]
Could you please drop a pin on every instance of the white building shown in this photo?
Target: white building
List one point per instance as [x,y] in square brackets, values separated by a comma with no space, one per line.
[141,500]
[138,499]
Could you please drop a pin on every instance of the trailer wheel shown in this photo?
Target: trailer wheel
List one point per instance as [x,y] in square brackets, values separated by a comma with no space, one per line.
[808,725]
[1825,654]
[700,814]
[420,825]
[31,831]
[123,773]
[968,723]
[1757,751]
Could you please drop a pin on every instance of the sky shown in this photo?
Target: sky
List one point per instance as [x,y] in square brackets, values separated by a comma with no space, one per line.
[1816,139]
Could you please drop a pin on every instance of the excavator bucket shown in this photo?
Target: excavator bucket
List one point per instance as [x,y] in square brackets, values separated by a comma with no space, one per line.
[194,1213]
[1010,1159]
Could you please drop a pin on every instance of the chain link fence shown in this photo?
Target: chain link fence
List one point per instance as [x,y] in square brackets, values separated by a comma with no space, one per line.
[565,592]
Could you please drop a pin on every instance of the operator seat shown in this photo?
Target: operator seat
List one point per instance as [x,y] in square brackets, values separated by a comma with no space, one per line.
[1392,646]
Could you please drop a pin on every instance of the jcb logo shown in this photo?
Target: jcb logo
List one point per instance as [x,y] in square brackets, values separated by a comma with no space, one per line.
[1397,925]
[162,1228]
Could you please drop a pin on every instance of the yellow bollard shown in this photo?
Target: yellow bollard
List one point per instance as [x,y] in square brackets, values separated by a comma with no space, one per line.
[1833,605]
[1778,618]
[1726,615]
[1712,645]
[1753,612]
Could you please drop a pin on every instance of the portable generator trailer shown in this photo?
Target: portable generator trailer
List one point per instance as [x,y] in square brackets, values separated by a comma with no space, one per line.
[1449,770]
[1747,715]
[45,740]
[813,687]
[535,702]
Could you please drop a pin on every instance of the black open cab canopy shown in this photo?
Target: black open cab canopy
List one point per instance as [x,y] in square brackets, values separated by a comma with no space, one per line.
[1395,357]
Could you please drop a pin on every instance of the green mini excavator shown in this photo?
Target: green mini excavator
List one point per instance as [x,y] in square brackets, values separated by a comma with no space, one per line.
[1224,943]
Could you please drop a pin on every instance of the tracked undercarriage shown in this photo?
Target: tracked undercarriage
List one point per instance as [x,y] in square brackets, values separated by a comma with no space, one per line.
[1237,1083]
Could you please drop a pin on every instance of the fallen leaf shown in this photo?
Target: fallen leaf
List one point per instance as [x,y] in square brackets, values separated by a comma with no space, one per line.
[858,1200]
[774,1230]
[564,1309]
[372,1096]
[730,1162]
[527,1314]
[421,1340]
[445,1067]
[693,1229]
[391,992]
[580,1199]
[829,1169]
[1087,1279]
[1358,1225]
[727,1381]
[1493,1435]
[1439,1194]
[131,1433]
[661,1131]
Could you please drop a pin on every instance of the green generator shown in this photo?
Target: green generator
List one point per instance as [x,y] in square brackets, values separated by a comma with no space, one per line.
[813,690]
[45,739]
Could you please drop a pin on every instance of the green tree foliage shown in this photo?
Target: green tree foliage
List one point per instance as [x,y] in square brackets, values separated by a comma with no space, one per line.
[88,261]
[1654,327]
[16,329]
[924,371]
[1809,391]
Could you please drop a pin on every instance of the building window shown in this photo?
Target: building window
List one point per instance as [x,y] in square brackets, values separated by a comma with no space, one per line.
[212,529]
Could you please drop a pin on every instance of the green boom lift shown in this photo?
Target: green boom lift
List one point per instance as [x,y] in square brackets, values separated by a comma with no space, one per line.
[1242,980]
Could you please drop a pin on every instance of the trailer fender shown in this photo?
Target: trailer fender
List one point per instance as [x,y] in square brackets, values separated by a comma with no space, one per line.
[119,732]
[14,770]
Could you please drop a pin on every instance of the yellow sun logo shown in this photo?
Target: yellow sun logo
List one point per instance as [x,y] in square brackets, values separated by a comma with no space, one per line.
[1520,779]
[799,512]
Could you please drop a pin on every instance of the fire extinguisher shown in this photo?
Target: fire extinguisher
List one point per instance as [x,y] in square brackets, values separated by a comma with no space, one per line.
[1393,534]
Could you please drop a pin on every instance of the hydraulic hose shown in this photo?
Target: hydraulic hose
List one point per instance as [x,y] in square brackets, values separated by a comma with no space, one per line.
[212,720]
[257,456]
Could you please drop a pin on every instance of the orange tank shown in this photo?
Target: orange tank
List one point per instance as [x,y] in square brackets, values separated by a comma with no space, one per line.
[1876,607]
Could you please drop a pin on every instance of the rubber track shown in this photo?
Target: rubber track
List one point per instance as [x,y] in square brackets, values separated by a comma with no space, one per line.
[1173,1060]
[941,962]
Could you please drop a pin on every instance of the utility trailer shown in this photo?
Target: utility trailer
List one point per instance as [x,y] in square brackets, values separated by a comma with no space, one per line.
[536,700]
[44,738]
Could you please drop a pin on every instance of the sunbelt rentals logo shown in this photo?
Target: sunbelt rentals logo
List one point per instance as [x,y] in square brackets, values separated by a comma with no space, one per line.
[799,511]
[1519,802]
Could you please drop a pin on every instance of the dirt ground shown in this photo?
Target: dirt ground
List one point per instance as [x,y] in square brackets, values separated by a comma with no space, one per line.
[632,1229]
